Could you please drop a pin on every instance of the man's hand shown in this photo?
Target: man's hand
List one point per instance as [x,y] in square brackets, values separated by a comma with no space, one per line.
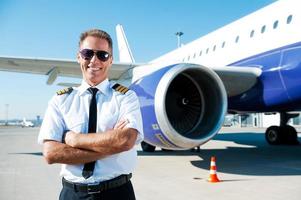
[70,138]
[123,138]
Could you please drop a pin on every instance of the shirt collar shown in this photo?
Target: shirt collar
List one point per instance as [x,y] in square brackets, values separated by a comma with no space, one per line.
[103,87]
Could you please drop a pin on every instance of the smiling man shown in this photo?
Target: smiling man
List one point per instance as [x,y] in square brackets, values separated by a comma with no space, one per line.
[93,128]
[95,68]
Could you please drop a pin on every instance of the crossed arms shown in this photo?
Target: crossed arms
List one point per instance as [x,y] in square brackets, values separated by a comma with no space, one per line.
[82,148]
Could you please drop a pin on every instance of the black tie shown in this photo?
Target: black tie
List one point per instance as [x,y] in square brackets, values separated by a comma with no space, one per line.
[89,167]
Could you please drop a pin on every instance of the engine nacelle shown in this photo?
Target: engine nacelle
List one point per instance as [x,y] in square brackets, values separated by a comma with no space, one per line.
[183,105]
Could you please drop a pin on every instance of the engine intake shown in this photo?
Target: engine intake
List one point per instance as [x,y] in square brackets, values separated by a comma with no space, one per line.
[184,106]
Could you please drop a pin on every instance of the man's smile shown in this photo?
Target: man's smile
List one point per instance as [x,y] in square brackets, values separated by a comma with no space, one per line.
[94,69]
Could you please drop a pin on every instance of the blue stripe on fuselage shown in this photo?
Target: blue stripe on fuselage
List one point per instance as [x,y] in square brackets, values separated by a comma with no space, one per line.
[278,88]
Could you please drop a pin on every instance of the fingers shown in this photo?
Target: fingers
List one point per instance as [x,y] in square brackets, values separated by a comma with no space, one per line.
[121,124]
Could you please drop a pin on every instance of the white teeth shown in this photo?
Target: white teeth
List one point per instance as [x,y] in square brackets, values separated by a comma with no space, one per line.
[94,68]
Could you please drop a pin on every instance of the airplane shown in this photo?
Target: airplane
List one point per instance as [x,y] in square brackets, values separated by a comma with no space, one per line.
[26,123]
[251,65]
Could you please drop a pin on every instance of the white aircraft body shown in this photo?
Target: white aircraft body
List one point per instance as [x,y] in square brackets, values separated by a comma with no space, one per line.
[250,65]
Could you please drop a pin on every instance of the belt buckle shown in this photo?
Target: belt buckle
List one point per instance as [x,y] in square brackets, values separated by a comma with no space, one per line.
[93,188]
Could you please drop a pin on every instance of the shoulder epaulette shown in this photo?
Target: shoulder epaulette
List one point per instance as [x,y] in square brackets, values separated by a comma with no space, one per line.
[64,91]
[120,88]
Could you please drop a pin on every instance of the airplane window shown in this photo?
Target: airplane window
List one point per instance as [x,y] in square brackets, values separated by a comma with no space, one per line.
[200,53]
[252,33]
[263,29]
[188,58]
[207,50]
[275,25]
[289,19]
[194,55]
[214,47]
[237,39]
[223,45]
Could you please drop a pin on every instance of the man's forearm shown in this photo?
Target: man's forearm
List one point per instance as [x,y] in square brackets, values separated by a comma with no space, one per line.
[56,152]
[108,143]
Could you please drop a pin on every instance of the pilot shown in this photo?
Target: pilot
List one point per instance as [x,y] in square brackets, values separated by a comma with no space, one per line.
[92,129]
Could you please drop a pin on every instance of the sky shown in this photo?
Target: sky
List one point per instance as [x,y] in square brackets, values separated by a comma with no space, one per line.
[51,29]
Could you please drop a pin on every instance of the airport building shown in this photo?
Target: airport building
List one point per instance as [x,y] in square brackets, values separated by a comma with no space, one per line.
[260,120]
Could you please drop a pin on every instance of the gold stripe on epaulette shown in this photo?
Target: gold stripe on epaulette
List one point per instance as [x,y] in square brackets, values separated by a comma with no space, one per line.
[120,88]
[124,90]
[64,91]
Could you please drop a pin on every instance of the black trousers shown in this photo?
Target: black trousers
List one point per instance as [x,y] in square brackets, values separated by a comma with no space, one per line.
[124,192]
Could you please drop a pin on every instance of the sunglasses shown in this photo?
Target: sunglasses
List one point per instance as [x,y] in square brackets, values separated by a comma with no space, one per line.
[88,54]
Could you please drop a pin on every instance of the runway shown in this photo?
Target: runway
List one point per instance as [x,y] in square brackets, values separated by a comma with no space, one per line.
[248,167]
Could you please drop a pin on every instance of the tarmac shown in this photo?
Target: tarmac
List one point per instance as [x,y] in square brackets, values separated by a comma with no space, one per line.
[247,166]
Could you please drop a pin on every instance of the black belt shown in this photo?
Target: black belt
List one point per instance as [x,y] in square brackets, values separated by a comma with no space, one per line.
[98,187]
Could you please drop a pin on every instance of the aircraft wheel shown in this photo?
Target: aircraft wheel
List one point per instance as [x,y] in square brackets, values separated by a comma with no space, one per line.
[147,147]
[289,135]
[273,135]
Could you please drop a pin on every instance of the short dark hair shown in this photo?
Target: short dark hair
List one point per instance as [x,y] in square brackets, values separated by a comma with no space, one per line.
[97,33]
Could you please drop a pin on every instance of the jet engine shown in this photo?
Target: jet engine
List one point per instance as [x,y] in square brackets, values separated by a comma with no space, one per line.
[182,105]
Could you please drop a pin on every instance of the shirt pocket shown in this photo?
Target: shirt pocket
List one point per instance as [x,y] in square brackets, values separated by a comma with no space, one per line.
[76,124]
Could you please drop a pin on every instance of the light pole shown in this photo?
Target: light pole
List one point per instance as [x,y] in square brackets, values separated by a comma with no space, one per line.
[179,34]
[6,114]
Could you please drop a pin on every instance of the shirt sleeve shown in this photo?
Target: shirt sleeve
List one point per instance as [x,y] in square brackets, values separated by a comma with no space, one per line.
[130,110]
[53,124]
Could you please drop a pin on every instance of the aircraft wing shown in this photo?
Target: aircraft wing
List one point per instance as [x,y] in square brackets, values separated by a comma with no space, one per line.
[238,79]
[54,67]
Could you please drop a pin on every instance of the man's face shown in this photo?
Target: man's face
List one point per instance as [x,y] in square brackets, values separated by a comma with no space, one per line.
[94,70]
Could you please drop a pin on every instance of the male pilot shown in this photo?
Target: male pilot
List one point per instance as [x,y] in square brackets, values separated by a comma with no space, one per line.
[92,129]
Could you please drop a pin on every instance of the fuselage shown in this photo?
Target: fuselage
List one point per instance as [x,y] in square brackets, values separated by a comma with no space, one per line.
[269,39]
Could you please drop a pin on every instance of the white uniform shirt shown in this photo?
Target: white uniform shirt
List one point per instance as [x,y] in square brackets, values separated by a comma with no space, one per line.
[71,112]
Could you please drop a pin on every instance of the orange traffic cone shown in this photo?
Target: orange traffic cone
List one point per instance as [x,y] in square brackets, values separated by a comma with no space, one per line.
[213,176]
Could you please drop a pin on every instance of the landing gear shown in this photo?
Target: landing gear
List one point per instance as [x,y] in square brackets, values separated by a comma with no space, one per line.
[273,135]
[147,147]
[283,134]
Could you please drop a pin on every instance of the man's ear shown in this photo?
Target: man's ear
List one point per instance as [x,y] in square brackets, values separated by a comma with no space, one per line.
[111,61]
[78,58]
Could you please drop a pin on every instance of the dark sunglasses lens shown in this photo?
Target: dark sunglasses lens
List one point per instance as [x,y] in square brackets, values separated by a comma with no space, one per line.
[102,55]
[87,53]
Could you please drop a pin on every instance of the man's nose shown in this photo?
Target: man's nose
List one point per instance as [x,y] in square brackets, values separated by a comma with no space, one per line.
[94,58]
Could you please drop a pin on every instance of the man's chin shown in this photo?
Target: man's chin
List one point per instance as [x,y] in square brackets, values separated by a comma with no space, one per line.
[94,80]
